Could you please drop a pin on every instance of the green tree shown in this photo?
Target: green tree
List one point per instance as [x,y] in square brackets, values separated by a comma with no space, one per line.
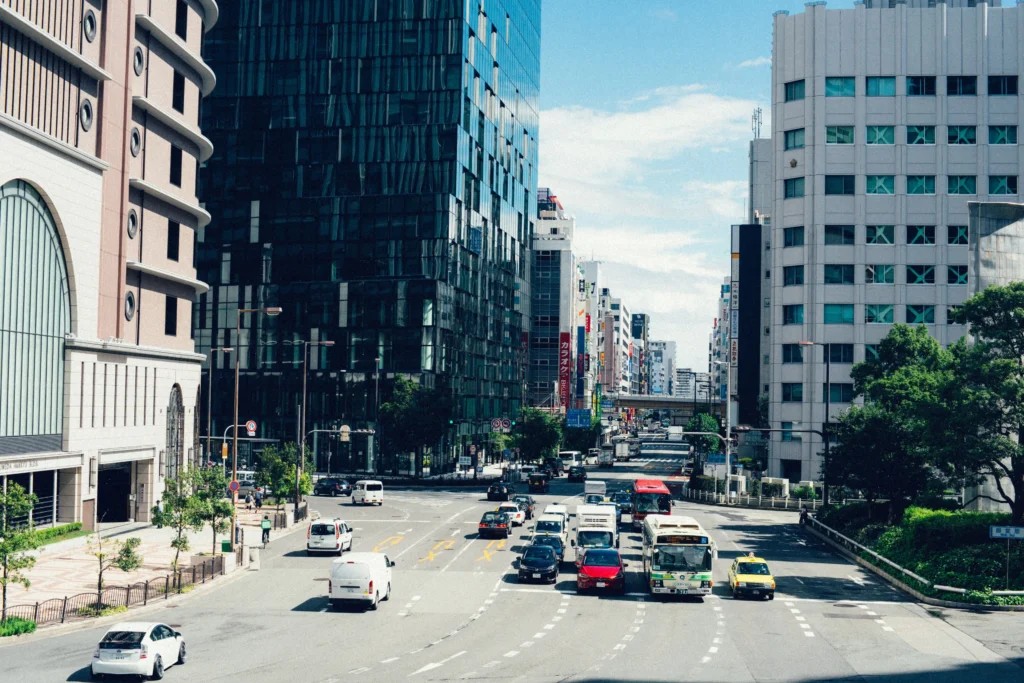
[272,469]
[703,422]
[214,509]
[181,511]
[113,554]
[576,439]
[16,540]
[536,434]
[413,418]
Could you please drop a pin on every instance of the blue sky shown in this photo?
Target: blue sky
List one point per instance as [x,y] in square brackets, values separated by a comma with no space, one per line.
[644,127]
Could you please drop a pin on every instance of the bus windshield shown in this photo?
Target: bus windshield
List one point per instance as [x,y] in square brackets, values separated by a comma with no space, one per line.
[654,503]
[676,558]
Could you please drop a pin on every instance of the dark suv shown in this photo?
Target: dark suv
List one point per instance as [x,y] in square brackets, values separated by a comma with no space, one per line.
[554,465]
[500,492]
[330,486]
[577,473]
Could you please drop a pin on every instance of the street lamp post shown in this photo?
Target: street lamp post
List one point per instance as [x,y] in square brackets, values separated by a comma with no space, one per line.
[209,402]
[376,411]
[826,350]
[271,312]
[728,418]
[299,458]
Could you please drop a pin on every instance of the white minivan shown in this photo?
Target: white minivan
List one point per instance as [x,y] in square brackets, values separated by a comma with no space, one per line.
[328,536]
[368,492]
[360,578]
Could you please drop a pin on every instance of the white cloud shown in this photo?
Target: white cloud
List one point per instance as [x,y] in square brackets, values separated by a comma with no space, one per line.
[757,61]
[665,14]
[645,183]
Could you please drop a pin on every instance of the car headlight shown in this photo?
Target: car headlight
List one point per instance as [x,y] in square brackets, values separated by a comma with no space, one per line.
[742,584]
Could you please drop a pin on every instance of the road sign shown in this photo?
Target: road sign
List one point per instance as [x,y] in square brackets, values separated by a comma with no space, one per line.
[465,460]
[496,424]
[479,469]
[250,427]
[577,418]
[1014,532]
[716,458]
[472,449]
[506,423]
[233,485]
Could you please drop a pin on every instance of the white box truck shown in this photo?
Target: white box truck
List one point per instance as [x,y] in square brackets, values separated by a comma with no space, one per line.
[592,486]
[596,527]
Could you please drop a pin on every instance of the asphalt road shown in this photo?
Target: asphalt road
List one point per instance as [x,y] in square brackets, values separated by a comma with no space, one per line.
[457,612]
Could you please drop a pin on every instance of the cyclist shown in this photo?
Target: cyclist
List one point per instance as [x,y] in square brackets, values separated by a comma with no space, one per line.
[265,525]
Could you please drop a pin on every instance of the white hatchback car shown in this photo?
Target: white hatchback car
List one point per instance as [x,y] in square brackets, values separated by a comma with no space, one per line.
[134,648]
[328,536]
[514,512]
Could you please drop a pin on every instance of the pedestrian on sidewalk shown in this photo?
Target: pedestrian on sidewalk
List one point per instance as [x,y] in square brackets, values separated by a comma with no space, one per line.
[248,502]
[160,512]
[259,501]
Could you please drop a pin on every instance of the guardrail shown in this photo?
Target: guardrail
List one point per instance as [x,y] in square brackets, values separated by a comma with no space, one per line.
[761,502]
[856,547]
[85,605]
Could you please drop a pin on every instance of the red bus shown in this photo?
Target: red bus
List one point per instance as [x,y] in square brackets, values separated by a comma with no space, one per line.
[650,497]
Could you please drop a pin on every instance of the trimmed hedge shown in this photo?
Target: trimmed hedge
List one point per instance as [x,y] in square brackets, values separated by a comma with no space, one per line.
[771,490]
[15,626]
[803,492]
[43,535]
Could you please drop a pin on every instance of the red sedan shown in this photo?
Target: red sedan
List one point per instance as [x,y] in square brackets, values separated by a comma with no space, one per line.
[601,568]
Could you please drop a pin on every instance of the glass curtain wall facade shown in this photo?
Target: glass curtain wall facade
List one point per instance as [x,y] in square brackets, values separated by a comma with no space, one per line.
[374,176]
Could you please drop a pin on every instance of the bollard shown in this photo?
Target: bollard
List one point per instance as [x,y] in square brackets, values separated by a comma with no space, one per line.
[64,609]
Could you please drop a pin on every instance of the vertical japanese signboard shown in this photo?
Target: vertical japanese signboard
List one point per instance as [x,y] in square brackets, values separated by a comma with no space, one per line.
[564,367]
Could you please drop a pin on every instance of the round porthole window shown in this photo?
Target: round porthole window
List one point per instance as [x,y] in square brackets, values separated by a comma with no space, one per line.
[135,143]
[133,223]
[129,305]
[139,61]
[89,25]
[85,114]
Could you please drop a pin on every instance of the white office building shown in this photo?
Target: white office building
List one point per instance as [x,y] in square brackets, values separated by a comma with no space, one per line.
[887,119]
[663,367]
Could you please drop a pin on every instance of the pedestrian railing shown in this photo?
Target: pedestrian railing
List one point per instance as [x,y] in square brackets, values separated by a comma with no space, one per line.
[857,548]
[301,512]
[85,605]
[762,502]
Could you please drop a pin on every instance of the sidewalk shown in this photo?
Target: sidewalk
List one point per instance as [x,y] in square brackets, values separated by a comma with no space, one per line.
[66,569]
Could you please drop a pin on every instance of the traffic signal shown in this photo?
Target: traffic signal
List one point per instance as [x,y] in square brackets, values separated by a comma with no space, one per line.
[513,423]
[451,422]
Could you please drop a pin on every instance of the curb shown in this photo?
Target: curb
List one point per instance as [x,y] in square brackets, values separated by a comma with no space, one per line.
[913,592]
[46,632]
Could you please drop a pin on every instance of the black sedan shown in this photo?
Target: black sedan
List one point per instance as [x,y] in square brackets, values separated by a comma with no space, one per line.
[500,492]
[577,473]
[526,503]
[331,486]
[553,542]
[623,502]
[495,524]
[538,563]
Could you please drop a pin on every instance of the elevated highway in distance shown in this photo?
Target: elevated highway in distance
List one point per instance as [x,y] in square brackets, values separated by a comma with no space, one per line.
[682,408]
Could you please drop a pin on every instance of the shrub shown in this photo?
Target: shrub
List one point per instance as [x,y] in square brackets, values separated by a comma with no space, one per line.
[15,626]
[44,535]
[803,492]
[101,611]
[702,483]
[771,490]
[754,487]
[944,530]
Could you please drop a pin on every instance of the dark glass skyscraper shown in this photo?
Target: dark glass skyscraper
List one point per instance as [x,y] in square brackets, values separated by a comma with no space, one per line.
[374,176]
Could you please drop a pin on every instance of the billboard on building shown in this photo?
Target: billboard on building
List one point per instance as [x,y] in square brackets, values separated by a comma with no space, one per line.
[564,366]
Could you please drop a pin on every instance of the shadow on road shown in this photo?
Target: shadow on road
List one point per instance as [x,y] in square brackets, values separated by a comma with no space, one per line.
[316,604]
[83,674]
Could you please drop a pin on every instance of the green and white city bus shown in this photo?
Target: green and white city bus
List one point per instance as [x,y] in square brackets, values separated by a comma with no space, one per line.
[678,555]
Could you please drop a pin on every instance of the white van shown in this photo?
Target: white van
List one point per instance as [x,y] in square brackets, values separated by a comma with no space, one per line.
[368,492]
[558,510]
[328,536]
[360,578]
[552,525]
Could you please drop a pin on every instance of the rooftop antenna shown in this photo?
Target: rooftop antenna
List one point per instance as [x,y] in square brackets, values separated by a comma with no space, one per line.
[755,123]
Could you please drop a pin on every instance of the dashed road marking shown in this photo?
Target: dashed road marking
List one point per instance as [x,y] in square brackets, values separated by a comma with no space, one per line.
[512,653]
[539,634]
[360,670]
[389,660]
[809,634]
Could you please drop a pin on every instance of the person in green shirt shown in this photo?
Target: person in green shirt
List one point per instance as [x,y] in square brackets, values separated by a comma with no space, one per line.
[265,525]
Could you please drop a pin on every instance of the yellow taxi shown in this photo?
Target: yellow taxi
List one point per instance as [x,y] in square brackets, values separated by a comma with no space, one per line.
[750,576]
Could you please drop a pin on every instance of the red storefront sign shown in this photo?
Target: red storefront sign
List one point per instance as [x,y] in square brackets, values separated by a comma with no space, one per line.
[588,324]
[564,366]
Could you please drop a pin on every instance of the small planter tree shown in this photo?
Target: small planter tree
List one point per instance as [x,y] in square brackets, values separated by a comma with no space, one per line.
[114,554]
[15,541]
[181,511]
[213,508]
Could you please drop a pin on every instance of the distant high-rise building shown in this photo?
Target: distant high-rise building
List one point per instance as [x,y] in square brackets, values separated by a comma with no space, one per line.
[663,367]
[639,330]
[376,178]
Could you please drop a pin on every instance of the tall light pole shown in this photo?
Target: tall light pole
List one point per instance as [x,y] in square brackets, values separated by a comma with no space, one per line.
[209,402]
[271,312]
[376,411]
[827,353]
[302,429]
[728,416]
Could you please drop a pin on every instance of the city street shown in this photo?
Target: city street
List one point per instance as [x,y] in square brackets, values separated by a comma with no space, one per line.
[457,612]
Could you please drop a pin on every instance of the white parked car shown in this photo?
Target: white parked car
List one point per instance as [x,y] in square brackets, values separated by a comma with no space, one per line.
[328,536]
[368,492]
[514,512]
[134,648]
[360,578]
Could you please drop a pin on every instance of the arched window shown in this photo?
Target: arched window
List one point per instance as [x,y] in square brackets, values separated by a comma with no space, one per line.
[175,433]
[35,315]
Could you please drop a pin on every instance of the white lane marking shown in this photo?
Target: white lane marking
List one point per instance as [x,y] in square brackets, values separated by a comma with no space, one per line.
[872,614]
[561,611]
[548,627]
[512,653]
[619,646]
[539,634]
[389,660]
[879,621]
[862,606]
[360,670]
[887,628]
[801,619]
[491,665]
[415,598]
[466,547]
[556,618]
[412,652]
[488,602]
[530,590]
[634,629]
[795,611]
[801,582]
[528,643]
[638,621]
[712,650]
[434,665]
[789,604]
[808,634]
[324,609]
[403,614]
[627,637]
[859,582]
[721,623]
[805,625]
[716,641]
[440,526]
[705,660]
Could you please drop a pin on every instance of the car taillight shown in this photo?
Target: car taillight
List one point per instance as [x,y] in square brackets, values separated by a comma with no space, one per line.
[96,653]
[337,532]
[143,652]
[501,526]
[330,585]
[308,529]
[369,589]
[482,524]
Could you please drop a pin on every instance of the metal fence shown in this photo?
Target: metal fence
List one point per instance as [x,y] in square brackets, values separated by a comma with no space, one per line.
[85,605]
[301,512]
[764,502]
